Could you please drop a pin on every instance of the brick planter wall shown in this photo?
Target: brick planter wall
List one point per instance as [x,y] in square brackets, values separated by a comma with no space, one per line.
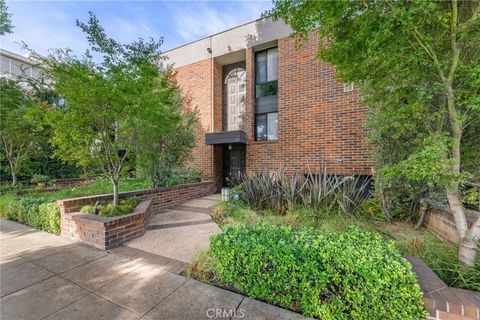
[106,233]
[441,222]
[86,227]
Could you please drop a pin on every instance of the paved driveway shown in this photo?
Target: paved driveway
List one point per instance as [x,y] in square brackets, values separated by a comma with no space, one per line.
[43,276]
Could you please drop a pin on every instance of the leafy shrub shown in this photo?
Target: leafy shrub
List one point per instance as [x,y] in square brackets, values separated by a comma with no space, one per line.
[109,210]
[279,192]
[37,178]
[330,275]
[8,187]
[354,191]
[39,213]
[470,195]
[167,177]
[184,176]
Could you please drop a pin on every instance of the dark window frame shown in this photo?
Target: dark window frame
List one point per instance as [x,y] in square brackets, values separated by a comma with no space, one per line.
[266,126]
[275,109]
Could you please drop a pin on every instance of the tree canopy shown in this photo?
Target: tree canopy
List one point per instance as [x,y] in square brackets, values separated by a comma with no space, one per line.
[417,66]
[113,107]
[6,25]
[17,140]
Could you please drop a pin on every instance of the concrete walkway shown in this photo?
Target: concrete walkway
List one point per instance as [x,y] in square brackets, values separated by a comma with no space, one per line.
[43,276]
[178,233]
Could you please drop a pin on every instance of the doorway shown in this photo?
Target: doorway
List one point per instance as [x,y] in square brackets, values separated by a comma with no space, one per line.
[233,163]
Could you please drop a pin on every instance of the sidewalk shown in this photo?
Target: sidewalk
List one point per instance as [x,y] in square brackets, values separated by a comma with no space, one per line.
[180,232]
[43,276]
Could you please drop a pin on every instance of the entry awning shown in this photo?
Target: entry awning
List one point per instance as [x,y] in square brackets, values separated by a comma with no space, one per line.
[226,137]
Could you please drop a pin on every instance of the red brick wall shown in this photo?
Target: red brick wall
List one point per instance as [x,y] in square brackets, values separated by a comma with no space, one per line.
[106,233]
[441,222]
[161,198]
[195,82]
[318,122]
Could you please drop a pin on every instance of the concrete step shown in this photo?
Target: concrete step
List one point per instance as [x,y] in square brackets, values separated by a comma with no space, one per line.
[200,203]
[186,208]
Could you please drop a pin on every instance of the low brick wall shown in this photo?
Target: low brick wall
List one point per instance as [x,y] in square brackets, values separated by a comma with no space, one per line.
[106,233]
[71,220]
[441,222]
[72,182]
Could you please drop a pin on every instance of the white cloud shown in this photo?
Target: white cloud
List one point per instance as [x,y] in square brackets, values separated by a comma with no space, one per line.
[50,28]
[205,18]
[49,24]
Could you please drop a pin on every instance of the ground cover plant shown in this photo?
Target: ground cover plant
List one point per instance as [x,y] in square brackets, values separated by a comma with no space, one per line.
[329,274]
[40,210]
[440,256]
[39,213]
[108,210]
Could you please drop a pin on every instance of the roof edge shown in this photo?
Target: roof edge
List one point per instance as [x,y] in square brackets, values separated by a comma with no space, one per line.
[214,34]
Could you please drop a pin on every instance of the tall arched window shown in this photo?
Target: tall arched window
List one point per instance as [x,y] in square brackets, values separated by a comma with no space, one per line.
[235,83]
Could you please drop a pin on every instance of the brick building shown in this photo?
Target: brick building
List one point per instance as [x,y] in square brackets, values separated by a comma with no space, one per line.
[265,102]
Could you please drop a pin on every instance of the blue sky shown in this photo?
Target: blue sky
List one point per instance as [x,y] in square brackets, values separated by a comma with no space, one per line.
[51,24]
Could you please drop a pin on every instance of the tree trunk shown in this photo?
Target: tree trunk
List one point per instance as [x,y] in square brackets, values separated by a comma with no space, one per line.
[13,172]
[115,192]
[423,209]
[467,252]
[14,178]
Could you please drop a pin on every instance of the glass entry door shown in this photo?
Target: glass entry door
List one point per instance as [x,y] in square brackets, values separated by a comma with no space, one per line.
[233,163]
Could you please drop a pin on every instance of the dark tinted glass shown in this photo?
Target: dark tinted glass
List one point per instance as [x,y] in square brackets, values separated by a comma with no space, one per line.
[261,127]
[266,89]
[261,67]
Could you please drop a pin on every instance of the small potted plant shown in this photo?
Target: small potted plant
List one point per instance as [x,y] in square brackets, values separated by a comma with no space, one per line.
[40,179]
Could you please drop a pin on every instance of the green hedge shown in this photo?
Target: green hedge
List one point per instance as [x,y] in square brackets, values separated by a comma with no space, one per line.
[331,275]
[39,213]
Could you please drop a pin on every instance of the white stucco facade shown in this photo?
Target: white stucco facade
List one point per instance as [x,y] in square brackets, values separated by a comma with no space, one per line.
[228,46]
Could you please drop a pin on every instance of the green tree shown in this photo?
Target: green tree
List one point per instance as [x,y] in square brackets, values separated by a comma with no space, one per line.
[43,161]
[16,138]
[6,25]
[169,152]
[111,107]
[417,63]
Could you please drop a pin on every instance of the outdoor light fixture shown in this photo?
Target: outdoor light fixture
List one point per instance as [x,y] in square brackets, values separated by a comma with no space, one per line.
[209,50]
[225,194]
[230,147]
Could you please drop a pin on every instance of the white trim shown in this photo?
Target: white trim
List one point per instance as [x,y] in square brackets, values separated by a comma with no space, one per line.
[348,87]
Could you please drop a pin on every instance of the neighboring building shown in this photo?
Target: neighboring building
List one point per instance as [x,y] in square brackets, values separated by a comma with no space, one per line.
[264,102]
[15,65]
